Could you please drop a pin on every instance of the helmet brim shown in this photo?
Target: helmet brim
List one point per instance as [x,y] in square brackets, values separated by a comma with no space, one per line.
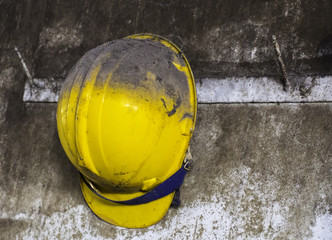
[129,216]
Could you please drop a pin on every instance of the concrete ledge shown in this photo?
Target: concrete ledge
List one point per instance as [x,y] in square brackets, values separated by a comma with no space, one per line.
[263,89]
[211,90]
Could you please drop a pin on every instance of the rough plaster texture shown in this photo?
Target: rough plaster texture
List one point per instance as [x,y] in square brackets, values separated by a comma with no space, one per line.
[261,172]
[220,38]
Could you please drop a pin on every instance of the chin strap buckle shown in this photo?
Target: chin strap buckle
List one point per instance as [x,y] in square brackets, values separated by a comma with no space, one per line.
[188,161]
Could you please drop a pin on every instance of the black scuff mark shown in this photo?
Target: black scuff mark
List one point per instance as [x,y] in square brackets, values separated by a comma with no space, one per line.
[163,100]
[177,104]
[186,115]
[171,113]
[200,82]
[121,173]
[306,87]
[159,79]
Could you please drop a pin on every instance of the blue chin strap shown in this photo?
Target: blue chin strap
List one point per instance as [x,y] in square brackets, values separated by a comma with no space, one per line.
[173,183]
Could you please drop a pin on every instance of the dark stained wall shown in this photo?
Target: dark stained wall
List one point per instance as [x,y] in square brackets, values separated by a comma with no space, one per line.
[220,38]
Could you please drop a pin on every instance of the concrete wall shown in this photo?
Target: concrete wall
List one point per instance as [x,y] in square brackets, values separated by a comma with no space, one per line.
[262,171]
[220,38]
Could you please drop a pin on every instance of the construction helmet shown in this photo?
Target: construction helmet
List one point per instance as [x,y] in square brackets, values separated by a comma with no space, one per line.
[125,116]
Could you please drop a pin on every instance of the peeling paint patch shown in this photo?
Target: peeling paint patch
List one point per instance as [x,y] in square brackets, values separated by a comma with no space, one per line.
[323,227]
[42,90]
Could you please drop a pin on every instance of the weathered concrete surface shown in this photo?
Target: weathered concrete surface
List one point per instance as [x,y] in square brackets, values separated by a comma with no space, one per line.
[220,38]
[262,171]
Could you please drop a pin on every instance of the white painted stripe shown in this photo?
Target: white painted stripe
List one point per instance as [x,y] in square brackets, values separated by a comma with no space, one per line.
[257,90]
[42,90]
[212,90]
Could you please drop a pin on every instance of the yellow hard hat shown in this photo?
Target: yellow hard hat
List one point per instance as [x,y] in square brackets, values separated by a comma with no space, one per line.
[125,116]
